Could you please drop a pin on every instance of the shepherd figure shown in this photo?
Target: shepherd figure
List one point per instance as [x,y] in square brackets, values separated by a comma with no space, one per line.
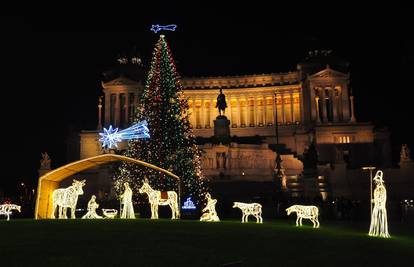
[379,224]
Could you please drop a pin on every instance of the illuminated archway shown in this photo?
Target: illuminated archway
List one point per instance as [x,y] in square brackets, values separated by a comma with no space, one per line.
[50,181]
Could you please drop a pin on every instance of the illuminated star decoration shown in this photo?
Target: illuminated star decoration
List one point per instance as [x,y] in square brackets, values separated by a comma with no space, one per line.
[188,204]
[156,28]
[110,137]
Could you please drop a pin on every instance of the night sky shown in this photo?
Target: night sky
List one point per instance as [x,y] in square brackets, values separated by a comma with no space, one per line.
[52,65]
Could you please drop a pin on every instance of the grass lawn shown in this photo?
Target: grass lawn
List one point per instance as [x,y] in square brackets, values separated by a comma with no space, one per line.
[145,242]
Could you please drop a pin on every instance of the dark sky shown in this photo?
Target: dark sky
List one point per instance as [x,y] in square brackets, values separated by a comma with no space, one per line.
[52,65]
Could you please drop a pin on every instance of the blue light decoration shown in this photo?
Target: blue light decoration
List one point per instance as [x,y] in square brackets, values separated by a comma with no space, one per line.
[188,204]
[110,137]
[156,28]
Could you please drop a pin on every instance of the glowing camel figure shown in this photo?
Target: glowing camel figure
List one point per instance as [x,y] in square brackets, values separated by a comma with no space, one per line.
[210,214]
[126,200]
[6,209]
[305,212]
[92,206]
[379,224]
[157,198]
[248,209]
[67,198]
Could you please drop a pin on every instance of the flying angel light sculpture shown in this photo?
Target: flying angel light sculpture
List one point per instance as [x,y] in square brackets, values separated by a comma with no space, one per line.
[305,212]
[111,137]
[156,28]
[248,209]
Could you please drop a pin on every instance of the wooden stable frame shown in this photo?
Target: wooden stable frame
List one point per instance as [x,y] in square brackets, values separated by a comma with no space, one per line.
[50,181]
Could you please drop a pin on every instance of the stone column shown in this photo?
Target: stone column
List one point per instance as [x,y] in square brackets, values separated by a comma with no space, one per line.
[318,118]
[283,109]
[324,115]
[230,111]
[126,110]
[212,108]
[335,105]
[264,111]
[203,114]
[248,111]
[117,111]
[274,109]
[239,109]
[256,112]
[100,113]
[353,119]
[107,109]
[292,114]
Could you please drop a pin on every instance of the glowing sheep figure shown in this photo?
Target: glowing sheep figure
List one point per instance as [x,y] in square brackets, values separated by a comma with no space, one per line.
[379,224]
[92,206]
[6,209]
[254,209]
[67,198]
[305,212]
[210,214]
[157,198]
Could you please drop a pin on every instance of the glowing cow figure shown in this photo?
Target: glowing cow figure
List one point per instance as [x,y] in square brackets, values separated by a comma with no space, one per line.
[157,198]
[254,209]
[6,209]
[305,212]
[67,198]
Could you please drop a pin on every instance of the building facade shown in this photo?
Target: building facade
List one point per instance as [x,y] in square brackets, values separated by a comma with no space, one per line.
[311,107]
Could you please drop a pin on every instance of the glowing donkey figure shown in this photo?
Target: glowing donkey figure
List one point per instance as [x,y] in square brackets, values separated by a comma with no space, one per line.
[307,212]
[254,209]
[157,198]
[67,198]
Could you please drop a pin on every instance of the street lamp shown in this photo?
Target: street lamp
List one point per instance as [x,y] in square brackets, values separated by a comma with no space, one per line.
[278,167]
[370,168]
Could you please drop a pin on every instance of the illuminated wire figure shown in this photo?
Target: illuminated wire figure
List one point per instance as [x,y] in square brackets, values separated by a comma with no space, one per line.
[210,214]
[6,209]
[67,198]
[248,209]
[126,199]
[110,137]
[156,28]
[379,224]
[92,206]
[305,212]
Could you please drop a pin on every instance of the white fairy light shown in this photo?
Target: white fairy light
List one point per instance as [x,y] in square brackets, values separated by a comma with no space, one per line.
[379,223]
[210,214]
[67,198]
[6,209]
[109,213]
[92,206]
[126,200]
[305,212]
[157,198]
[248,209]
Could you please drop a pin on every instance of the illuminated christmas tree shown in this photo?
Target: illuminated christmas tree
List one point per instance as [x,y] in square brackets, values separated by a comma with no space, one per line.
[172,144]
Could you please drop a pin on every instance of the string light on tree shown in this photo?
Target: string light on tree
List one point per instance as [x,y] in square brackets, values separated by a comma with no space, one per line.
[305,212]
[172,144]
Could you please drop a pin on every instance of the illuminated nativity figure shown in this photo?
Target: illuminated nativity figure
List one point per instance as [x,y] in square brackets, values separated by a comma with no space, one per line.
[379,224]
[210,214]
[248,209]
[126,201]
[305,212]
[67,198]
[6,209]
[160,198]
[92,206]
